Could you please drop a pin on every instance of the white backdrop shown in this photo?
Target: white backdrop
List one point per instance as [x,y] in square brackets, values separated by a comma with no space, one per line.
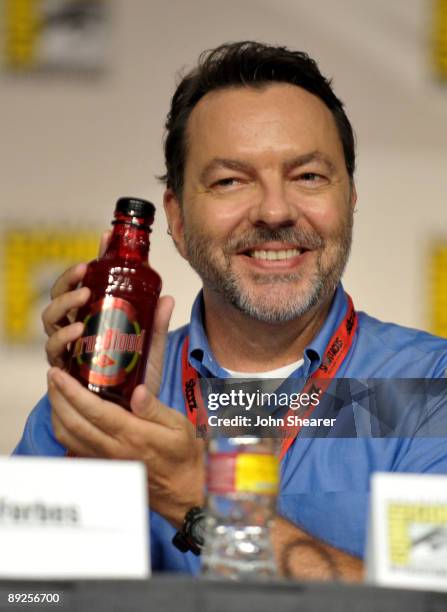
[70,147]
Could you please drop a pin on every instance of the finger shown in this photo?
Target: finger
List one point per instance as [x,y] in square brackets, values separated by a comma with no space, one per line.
[164,430]
[68,280]
[66,419]
[104,242]
[57,344]
[163,313]
[61,422]
[95,420]
[70,441]
[147,406]
[56,313]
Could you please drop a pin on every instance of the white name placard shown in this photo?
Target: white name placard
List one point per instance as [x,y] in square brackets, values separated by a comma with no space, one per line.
[73,519]
[407,537]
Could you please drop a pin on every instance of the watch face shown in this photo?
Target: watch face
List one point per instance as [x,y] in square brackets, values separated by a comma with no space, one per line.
[198,529]
[192,536]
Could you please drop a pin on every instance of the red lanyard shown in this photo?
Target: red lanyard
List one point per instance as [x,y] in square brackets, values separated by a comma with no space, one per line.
[334,355]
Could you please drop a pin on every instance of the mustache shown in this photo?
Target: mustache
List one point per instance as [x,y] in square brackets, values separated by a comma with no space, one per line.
[303,238]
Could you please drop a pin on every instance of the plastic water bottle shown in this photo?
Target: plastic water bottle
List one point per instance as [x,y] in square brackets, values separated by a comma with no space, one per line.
[242,485]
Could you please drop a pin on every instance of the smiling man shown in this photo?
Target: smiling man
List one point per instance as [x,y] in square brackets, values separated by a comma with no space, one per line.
[259,199]
[265,218]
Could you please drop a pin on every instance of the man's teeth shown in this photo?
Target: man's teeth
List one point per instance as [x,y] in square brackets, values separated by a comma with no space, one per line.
[275,255]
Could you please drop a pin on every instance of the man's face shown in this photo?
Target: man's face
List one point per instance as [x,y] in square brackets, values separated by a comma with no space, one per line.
[266,218]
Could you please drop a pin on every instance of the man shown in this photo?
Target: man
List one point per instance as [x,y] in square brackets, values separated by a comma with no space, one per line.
[259,199]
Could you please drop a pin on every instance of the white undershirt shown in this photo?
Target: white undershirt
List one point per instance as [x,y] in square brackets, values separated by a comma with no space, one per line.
[282,372]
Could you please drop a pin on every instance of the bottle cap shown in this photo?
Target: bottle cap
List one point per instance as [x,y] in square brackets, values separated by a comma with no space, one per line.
[135,207]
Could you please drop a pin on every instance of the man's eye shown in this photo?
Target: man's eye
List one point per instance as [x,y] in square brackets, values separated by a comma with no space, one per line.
[311,178]
[226,182]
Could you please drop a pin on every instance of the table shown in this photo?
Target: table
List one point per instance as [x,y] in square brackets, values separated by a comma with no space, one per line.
[168,592]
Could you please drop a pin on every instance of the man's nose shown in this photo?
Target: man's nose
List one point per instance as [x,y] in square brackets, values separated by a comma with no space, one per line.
[273,208]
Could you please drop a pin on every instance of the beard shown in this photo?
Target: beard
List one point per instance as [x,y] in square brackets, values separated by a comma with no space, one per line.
[278,297]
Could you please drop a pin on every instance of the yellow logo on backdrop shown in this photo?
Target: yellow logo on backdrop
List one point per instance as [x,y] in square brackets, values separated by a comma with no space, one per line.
[440,38]
[438,313]
[22,29]
[32,260]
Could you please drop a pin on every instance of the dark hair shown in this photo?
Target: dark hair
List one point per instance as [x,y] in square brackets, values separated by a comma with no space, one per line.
[249,64]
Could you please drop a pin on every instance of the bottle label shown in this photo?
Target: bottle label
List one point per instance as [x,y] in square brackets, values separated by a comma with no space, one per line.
[243,472]
[112,342]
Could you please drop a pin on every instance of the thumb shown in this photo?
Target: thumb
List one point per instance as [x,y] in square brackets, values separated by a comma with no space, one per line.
[146,405]
[162,316]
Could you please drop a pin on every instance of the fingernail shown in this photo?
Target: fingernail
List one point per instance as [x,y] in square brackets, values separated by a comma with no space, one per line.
[83,292]
[79,328]
[50,378]
[142,396]
[57,377]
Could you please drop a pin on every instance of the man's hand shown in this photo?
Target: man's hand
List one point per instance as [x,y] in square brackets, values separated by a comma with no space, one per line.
[153,433]
[59,316]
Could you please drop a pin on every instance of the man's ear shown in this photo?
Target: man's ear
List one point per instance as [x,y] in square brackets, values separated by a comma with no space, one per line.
[174,216]
[353,196]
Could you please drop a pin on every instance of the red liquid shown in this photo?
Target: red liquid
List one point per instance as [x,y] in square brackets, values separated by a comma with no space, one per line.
[110,358]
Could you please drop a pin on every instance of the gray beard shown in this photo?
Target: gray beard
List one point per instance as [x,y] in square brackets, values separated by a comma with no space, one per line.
[221,278]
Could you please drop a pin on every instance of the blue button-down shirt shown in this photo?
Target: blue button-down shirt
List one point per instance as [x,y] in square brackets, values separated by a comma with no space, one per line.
[324,481]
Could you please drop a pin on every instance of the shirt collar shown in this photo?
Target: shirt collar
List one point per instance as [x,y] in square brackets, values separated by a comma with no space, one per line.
[201,357]
[314,352]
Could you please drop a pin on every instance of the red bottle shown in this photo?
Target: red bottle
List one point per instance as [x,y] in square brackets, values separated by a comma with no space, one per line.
[110,358]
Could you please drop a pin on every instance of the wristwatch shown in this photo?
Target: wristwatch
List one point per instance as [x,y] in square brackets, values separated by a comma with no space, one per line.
[192,535]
